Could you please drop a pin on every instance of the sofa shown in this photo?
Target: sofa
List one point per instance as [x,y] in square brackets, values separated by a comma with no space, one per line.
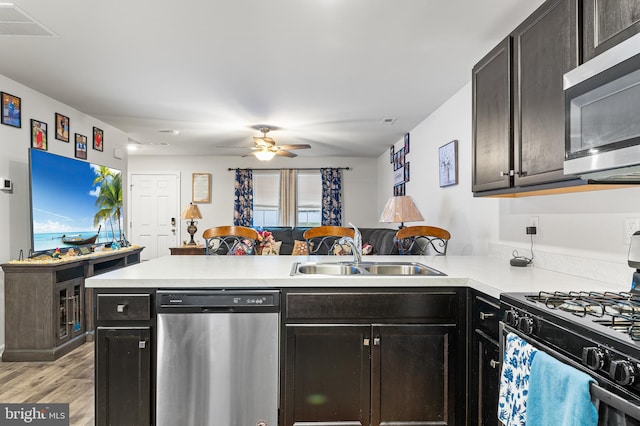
[381,239]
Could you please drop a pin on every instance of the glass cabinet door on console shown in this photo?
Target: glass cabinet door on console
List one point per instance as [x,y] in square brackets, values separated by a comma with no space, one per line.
[69,298]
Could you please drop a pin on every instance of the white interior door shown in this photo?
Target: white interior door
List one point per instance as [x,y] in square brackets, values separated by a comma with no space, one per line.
[154,212]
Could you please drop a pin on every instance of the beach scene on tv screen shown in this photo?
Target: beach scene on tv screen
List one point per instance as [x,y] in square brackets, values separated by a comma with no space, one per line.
[67,209]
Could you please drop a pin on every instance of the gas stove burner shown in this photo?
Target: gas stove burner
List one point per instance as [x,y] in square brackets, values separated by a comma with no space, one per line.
[590,303]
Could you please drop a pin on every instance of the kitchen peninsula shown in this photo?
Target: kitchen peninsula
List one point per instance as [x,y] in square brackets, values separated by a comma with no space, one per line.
[368,338]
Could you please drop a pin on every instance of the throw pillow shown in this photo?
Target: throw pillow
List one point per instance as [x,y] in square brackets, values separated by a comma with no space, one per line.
[240,248]
[367,249]
[272,249]
[299,248]
[340,249]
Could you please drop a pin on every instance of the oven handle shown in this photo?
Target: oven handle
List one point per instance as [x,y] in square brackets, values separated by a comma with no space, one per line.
[597,392]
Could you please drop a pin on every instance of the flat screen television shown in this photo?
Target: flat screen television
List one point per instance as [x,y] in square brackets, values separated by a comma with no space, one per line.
[64,202]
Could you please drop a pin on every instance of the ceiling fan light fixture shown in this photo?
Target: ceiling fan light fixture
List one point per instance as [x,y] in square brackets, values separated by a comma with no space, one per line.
[264,155]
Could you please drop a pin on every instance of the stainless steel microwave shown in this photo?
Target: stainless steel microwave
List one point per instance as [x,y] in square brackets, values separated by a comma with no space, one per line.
[602,105]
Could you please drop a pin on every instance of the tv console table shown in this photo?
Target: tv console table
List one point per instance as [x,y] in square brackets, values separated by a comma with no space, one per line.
[47,311]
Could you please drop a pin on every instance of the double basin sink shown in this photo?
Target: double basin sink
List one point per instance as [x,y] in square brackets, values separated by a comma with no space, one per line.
[363,268]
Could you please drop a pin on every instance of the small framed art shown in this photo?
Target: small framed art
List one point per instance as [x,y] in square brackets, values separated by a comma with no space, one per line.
[62,127]
[81,146]
[38,135]
[98,139]
[406,143]
[448,163]
[201,187]
[11,110]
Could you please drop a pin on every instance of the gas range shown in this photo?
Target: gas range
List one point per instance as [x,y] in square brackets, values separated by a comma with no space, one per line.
[596,332]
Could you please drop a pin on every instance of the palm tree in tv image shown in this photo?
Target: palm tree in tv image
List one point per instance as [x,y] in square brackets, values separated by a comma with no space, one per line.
[109,201]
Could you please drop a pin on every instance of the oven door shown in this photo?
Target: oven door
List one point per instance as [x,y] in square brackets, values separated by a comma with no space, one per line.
[602,126]
[613,410]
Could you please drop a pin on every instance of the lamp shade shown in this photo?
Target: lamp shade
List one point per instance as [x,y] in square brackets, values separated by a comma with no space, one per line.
[191,212]
[400,209]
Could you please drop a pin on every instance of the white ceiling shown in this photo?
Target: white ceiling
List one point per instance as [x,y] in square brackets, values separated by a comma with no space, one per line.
[323,72]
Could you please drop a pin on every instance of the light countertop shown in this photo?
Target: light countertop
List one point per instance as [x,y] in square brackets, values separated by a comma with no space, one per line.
[491,275]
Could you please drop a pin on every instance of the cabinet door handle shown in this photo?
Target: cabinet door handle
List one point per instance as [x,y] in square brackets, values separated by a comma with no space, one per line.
[494,364]
[509,173]
[120,308]
[365,342]
[142,344]
[485,315]
[376,341]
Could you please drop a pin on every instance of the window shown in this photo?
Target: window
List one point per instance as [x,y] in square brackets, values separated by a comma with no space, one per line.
[266,194]
[266,186]
[309,198]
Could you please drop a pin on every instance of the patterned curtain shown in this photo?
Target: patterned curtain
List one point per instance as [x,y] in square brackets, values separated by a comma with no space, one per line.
[331,196]
[243,206]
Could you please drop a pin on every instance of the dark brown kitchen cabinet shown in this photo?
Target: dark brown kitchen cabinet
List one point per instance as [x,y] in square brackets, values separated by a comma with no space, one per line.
[545,47]
[492,130]
[607,23]
[69,317]
[518,103]
[123,385]
[372,358]
[123,376]
[484,359]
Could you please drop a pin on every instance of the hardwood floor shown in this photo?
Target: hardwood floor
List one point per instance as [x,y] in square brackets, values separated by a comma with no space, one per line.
[66,380]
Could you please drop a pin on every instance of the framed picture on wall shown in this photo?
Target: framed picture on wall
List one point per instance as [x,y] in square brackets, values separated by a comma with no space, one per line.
[11,110]
[448,163]
[407,175]
[406,143]
[62,127]
[391,154]
[38,135]
[98,139]
[81,146]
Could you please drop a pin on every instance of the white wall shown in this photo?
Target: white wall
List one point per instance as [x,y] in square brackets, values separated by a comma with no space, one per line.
[15,233]
[579,233]
[473,222]
[359,184]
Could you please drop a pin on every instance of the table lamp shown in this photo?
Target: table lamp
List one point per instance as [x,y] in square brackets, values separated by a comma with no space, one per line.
[400,209]
[190,213]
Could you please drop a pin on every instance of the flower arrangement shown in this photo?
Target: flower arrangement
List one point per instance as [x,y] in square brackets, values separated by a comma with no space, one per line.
[265,240]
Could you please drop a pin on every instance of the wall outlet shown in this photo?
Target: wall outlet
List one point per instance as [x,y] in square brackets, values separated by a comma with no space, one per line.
[630,226]
[533,221]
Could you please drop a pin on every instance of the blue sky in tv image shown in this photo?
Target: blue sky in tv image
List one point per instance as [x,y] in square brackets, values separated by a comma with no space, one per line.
[63,201]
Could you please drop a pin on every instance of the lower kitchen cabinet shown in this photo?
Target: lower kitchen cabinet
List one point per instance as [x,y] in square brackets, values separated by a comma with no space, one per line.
[484,360]
[123,376]
[124,379]
[372,359]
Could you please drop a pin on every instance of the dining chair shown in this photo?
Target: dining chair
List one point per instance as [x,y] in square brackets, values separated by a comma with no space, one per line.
[324,239]
[421,239]
[230,240]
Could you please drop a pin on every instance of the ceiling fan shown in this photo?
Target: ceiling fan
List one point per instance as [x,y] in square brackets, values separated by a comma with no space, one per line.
[266,147]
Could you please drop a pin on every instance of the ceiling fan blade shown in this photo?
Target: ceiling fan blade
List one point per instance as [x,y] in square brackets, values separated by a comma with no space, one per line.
[284,153]
[251,153]
[263,140]
[298,146]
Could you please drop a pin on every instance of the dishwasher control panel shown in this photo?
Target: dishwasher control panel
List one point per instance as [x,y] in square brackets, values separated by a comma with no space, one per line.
[217,301]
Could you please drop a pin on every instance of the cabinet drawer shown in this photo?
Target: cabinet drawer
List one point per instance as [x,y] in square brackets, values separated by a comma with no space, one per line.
[123,307]
[438,306]
[485,313]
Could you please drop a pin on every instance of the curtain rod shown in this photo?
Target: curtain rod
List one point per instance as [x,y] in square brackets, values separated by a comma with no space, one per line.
[290,168]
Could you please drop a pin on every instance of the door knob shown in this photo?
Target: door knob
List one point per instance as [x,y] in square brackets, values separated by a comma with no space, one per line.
[173,221]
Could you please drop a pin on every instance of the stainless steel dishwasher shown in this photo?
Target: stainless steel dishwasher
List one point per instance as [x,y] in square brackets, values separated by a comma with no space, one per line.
[217,362]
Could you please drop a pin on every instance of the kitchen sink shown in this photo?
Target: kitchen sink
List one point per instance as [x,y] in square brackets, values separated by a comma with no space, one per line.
[326,268]
[363,268]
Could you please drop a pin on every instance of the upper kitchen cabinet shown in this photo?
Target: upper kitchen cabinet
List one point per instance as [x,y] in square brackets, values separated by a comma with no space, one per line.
[492,131]
[545,46]
[518,103]
[607,23]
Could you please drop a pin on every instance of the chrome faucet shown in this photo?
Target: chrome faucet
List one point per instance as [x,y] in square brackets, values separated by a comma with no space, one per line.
[355,243]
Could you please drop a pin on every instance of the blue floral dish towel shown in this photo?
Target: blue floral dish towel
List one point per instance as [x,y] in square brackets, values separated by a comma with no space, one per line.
[514,381]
